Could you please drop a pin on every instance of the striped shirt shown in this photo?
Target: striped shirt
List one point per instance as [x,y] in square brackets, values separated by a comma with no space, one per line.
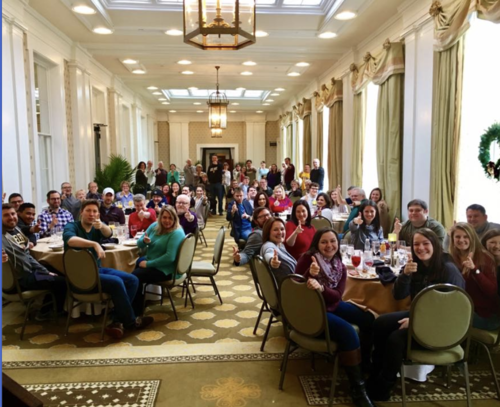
[63,217]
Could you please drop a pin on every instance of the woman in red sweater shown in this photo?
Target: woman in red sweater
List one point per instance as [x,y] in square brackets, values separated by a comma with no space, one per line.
[322,266]
[478,270]
[299,231]
[279,202]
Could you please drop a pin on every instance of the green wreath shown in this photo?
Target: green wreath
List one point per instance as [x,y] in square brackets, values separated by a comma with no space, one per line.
[492,135]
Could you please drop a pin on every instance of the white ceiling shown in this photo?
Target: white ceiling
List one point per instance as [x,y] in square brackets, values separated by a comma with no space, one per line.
[139,33]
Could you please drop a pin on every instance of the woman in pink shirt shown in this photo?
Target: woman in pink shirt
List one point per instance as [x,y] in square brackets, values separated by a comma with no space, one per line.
[299,232]
[279,202]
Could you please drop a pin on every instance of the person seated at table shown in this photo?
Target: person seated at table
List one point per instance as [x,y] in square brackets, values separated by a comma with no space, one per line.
[261,200]
[311,196]
[417,218]
[491,242]
[187,219]
[125,198]
[336,199]
[251,194]
[186,191]
[108,211]
[15,199]
[323,204]
[295,190]
[358,197]
[30,274]
[239,212]
[162,241]
[93,191]
[142,217]
[245,184]
[279,202]
[299,231]
[166,194]
[322,266]
[254,241]
[264,188]
[273,250]
[383,208]
[305,175]
[26,215]
[426,266]
[479,272]
[53,216]
[122,287]
[200,203]
[273,176]
[173,174]
[175,191]
[366,226]
[156,201]
[69,201]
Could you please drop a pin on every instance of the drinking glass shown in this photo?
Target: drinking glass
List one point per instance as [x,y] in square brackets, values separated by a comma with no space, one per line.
[356,258]
[343,248]
[350,252]
[368,259]
[133,230]
[376,248]
[58,232]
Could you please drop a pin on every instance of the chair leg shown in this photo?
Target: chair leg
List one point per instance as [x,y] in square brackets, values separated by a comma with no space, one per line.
[258,318]
[92,310]
[69,306]
[172,303]
[267,333]
[28,307]
[192,285]
[492,368]
[334,380]
[105,319]
[285,362]
[54,307]
[467,384]
[190,297]
[145,288]
[216,289]
[403,387]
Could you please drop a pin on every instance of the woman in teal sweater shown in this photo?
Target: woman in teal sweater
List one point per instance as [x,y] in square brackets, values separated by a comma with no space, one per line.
[173,174]
[162,240]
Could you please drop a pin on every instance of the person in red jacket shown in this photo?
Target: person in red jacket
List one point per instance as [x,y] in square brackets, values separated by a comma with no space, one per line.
[478,271]
[279,202]
[322,266]
[299,231]
[142,217]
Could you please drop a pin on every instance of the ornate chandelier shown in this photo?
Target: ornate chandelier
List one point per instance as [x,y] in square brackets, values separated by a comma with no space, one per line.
[219,24]
[217,110]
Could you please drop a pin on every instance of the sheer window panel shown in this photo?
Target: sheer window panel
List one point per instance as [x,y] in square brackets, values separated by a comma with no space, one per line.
[480,109]
[300,152]
[326,147]
[370,171]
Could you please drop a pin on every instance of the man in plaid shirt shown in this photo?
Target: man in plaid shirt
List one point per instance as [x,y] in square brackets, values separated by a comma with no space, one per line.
[54,215]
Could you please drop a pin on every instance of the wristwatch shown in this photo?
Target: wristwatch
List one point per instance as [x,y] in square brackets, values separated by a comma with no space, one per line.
[478,271]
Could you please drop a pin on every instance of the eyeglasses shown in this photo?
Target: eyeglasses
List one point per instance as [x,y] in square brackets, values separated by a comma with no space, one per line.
[182,203]
[267,215]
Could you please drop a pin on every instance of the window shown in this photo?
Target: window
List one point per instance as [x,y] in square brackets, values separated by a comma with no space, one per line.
[43,126]
[326,148]
[370,172]
[481,87]
[300,150]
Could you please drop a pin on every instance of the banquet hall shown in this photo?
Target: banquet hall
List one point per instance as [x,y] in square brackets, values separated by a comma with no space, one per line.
[399,95]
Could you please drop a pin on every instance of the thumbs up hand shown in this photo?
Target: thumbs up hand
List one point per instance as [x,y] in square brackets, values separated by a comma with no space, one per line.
[314,269]
[275,263]
[234,208]
[357,220]
[146,239]
[38,227]
[299,229]
[236,255]
[468,263]
[397,226]
[411,266]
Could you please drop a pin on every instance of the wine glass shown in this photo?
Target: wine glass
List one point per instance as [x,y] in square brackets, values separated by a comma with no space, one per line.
[58,233]
[368,260]
[356,258]
[343,248]
[350,251]
[376,248]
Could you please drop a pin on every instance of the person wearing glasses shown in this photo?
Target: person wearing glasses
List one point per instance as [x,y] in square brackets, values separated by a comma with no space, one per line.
[187,219]
[254,241]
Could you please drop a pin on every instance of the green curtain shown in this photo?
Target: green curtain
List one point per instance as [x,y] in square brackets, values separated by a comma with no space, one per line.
[390,143]
[289,141]
[306,157]
[335,144]
[319,140]
[358,136]
[446,115]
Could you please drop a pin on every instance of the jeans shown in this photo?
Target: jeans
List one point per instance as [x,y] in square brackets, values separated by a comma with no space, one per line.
[122,287]
[148,275]
[216,192]
[488,324]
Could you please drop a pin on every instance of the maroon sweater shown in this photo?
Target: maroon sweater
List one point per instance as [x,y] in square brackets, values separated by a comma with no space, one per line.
[332,295]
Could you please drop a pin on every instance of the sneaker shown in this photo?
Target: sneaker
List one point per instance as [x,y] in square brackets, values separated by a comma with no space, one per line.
[114,330]
[143,322]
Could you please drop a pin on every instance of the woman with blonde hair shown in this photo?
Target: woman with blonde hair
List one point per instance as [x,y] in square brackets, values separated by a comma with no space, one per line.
[279,202]
[478,271]
[162,239]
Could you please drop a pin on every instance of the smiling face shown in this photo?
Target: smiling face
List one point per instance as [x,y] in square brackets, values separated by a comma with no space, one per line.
[182,204]
[54,201]
[313,191]
[251,193]
[461,240]
[264,215]
[139,206]
[175,188]
[321,202]
[278,193]
[333,195]
[301,214]
[166,220]
[89,214]
[186,191]
[417,215]
[199,192]
[157,199]
[9,218]
[307,168]
[108,199]
[126,188]
[262,200]
[476,219]
[422,247]
[328,245]
[277,235]
[375,196]
[369,214]
[493,246]
[28,215]
[66,189]
[263,183]
[166,189]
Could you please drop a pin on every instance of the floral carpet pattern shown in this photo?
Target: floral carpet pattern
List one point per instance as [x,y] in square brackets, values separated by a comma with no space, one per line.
[230,392]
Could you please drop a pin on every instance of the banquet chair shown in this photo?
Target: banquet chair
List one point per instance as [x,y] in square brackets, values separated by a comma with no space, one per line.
[201,235]
[295,198]
[269,288]
[440,322]
[210,270]
[181,275]
[258,290]
[488,340]
[84,283]
[11,291]
[320,222]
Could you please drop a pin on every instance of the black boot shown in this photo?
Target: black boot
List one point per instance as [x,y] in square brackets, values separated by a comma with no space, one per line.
[379,389]
[358,392]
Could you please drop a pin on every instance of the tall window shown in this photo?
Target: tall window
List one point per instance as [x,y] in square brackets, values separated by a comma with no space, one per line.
[43,126]
[370,172]
[480,109]
[300,150]
[326,148]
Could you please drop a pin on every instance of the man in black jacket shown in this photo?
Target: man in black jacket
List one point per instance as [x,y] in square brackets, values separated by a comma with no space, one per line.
[214,172]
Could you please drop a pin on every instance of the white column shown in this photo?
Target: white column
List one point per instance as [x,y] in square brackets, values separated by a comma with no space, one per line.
[256,142]
[135,134]
[314,130]
[179,141]
[347,132]
[417,115]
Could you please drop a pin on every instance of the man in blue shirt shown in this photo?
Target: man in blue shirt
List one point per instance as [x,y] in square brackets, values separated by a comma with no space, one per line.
[88,234]
[240,213]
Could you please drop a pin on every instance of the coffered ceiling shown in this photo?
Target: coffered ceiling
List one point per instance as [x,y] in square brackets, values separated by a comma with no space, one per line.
[138,33]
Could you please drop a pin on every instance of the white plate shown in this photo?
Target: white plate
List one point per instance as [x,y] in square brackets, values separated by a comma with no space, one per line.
[368,277]
[130,242]
[56,247]
[109,246]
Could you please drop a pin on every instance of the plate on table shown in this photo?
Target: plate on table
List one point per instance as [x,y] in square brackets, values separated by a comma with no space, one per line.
[371,275]
[109,246]
[56,247]
[130,242]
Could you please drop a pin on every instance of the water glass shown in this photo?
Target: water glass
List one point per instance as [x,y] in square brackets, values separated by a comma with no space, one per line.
[376,248]
[367,260]
[350,251]
[343,248]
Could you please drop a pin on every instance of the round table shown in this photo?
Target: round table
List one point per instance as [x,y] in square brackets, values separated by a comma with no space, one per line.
[121,258]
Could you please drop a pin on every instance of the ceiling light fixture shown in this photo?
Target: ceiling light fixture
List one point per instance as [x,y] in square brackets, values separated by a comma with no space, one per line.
[199,111]
[83,9]
[232,111]
[197,103]
[184,62]
[240,89]
[302,64]
[139,71]
[346,15]
[156,93]
[259,111]
[261,34]
[217,109]
[192,88]
[235,104]
[249,63]
[246,73]
[165,103]
[129,61]
[152,88]
[274,94]
[173,111]
[293,74]
[205,26]
[102,30]
[187,72]
[327,35]
[266,104]
[162,99]
[279,89]
[173,32]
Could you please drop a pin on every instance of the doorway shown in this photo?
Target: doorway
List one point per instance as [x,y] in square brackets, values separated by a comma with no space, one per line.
[223,154]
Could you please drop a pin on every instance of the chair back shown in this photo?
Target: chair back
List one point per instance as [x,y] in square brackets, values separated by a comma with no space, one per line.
[82,273]
[8,279]
[295,198]
[440,317]
[267,282]
[218,248]
[185,256]
[258,290]
[303,309]
[206,212]
[320,222]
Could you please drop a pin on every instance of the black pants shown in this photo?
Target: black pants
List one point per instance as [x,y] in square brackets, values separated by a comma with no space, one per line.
[55,284]
[149,275]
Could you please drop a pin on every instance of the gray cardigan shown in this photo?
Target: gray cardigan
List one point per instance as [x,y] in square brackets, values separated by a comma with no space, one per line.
[288,263]
[359,235]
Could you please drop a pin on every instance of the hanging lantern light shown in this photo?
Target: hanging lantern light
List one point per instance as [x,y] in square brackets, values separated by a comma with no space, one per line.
[219,25]
[217,108]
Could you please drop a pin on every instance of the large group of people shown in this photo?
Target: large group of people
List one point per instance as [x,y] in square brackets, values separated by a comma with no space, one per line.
[468,255]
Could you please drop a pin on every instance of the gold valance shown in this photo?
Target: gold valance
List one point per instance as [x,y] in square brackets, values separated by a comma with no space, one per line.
[328,97]
[304,109]
[488,10]
[285,119]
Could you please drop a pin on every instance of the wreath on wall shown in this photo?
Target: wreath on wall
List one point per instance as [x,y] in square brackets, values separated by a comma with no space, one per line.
[492,135]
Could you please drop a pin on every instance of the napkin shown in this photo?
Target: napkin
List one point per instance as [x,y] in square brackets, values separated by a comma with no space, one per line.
[385,274]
